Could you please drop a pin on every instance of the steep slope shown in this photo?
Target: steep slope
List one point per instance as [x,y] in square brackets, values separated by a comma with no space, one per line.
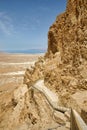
[67,47]
[63,70]
[68,34]
[64,66]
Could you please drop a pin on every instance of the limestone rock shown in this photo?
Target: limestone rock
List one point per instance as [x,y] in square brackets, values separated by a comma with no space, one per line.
[64,66]
[68,34]
[67,50]
[59,117]
[68,125]
[67,115]
[65,63]
[35,72]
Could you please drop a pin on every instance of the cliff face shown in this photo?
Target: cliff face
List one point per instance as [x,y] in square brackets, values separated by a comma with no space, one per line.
[67,47]
[64,70]
[64,67]
[68,34]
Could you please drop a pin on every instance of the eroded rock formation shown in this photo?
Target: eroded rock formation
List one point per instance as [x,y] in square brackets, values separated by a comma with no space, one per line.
[68,34]
[64,66]
[64,70]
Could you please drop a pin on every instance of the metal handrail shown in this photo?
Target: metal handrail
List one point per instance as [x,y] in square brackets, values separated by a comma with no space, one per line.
[77,122]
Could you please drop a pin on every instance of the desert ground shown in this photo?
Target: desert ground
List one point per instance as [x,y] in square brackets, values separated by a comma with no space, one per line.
[18,109]
[12,69]
[13,115]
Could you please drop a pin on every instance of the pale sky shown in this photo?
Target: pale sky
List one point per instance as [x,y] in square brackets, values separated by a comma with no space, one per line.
[24,24]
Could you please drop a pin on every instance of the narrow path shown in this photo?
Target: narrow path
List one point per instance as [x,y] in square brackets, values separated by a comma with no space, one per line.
[50,96]
[76,122]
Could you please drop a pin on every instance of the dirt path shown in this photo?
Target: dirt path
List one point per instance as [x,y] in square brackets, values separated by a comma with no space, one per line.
[51,96]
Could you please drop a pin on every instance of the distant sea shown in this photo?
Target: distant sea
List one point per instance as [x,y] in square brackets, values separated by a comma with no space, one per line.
[29,51]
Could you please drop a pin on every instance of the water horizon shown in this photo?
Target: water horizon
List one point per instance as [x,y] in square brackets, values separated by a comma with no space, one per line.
[26,51]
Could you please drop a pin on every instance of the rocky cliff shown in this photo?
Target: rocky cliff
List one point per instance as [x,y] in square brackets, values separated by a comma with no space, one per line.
[68,34]
[65,63]
[67,47]
[63,70]
[64,66]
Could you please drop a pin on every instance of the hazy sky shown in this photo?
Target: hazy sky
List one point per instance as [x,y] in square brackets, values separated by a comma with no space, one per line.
[24,24]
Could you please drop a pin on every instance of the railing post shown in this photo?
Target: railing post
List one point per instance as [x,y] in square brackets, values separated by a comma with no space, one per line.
[77,122]
[72,124]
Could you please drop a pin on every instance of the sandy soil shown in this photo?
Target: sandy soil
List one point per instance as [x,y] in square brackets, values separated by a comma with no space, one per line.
[13,66]
[12,70]
[18,58]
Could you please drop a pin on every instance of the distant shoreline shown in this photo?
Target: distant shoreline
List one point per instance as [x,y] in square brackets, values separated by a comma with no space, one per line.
[19,57]
[29,51]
